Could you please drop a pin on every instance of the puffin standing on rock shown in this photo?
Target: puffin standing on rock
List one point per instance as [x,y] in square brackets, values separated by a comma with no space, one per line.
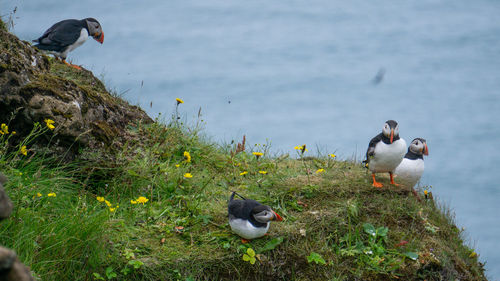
[412,167]
[385,152]
[249,218]
[67,35]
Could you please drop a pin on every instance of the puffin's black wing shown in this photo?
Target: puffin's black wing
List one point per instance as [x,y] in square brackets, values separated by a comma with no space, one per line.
[371,147]
[241,209]
[60,35]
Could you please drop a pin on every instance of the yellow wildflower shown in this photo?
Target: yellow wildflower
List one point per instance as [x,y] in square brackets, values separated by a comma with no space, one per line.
[14,132]
[142,200]
[426,192]
[113,209]
[133,202]
[24,151]
[243,173]
[332,155]
[100,198]
[4,129]
[49,123]
[302,148]
[107,203]
[187,156]
[263,172]
[52,194]
[38,194]
[177,165]
[320,171]
[179,100]
[188,175]
[473,254]
[258,154]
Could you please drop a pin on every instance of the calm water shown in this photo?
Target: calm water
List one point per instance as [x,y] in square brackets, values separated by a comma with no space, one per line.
[297,72]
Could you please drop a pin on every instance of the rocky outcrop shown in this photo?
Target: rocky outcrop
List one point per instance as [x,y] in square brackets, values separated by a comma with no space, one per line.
[11,269]
[34,87]
[5,203]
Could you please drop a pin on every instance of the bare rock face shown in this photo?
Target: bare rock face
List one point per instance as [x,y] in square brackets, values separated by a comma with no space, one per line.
[5,203]
[34,87]
[11,269]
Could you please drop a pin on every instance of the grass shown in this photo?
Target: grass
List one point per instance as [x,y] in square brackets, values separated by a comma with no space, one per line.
[93,227]
[181,232]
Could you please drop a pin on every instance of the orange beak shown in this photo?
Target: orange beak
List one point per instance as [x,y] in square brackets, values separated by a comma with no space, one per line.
[99,38]
[392,134]
[426,149]
[278,218]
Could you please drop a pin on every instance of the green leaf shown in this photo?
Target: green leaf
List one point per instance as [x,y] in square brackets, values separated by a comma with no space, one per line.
[110,273]
[315,257]
[382,231]
[370,229]
[252,260]
[251,252]
[125,271]
[136,264]
[97,276]
[246,257]
[411,255]
[271,244]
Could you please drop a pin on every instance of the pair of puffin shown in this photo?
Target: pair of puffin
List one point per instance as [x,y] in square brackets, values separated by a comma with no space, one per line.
[386,154]
[67,35]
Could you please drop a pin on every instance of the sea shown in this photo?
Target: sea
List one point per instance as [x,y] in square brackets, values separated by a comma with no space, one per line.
[324,73]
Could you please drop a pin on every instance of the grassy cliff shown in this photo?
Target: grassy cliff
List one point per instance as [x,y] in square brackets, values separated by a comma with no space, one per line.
[154,207]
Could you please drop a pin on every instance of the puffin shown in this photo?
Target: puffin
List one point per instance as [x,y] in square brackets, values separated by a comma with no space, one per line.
[67,35]
[385,152]
[249,218]
[412,167]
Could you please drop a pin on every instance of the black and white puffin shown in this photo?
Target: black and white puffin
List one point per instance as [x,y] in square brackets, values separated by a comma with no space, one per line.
[67,35]
[411,168]
[249,218]
[385,152]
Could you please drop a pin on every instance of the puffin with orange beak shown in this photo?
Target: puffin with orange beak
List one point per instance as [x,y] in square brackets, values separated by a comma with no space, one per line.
[385,152]
[249,218]
[67,35]
[410,170]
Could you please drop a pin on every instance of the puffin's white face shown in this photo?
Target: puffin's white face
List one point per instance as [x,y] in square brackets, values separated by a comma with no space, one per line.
[95,30]
[419,146]
[387,130]
[264,216]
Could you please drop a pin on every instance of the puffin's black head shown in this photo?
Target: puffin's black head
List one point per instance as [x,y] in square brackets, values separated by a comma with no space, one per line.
[95,30]
[264,214]
[391,129]
[419,146]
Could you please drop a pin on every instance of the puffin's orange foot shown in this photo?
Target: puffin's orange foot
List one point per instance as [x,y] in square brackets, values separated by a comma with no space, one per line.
[72,65]
[376,183]
[392,180]
[244,241]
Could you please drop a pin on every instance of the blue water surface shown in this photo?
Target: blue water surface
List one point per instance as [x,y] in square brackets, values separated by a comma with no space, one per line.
[295,72]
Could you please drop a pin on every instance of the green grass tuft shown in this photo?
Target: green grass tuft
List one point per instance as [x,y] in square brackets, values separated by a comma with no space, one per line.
[336,225]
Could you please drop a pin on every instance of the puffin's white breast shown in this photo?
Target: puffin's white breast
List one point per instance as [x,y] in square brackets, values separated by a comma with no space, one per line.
[246,230]
[409,171]
[387,156]
[84,35]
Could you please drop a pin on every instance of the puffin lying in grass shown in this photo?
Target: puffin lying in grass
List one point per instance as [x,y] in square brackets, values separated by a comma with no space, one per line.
[67,35]
[249,218]
[385,152]
[412,167]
